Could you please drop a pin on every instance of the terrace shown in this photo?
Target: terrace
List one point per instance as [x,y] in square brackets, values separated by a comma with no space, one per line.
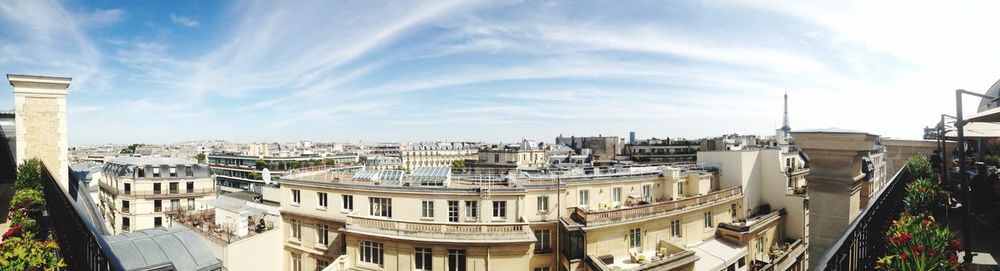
[666,256]
[448,232]
[592,218]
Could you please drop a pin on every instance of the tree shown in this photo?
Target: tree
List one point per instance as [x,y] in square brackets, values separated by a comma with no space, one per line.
[293,164]
[260,164]
[330,162]
[254,176]
[200,157]
[457,165]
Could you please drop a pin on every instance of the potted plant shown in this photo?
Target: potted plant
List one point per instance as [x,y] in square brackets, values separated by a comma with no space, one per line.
[918,242]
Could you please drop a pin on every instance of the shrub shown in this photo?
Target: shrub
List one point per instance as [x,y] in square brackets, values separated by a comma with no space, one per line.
[22,252]
[919,167]
[921,196]
[29,175]
[28,199]
[21,218]
[918,242]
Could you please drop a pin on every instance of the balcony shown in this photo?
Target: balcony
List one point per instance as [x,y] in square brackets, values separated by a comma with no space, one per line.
[666,257]
[598,218]
[154,194]
[754,223]
[448,232]
[784,256]
[863,242]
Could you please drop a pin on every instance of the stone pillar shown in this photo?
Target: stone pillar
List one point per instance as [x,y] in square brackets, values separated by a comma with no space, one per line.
[40,122]
[835,179]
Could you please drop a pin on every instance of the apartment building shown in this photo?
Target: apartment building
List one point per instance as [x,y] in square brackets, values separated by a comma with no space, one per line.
[639,218]
[662,150]
[241,172]
[603,148]
[144,192]
[504,159]
[438,154]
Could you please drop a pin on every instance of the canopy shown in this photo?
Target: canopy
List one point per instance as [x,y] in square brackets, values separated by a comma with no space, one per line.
[991,115]
[716,254]
[976,130]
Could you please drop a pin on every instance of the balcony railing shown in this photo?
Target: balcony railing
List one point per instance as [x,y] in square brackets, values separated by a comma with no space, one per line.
[81,245]
[158,193]
[592,218]
[753,223]
[795,248]
[864,241]
[451,231]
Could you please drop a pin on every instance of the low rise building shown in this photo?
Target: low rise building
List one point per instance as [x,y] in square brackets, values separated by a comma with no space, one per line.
[663,150]
[504,159]
[242,172]
[439,154]
[604,148]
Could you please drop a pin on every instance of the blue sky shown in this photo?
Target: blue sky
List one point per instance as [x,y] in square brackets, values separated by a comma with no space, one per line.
[169,71]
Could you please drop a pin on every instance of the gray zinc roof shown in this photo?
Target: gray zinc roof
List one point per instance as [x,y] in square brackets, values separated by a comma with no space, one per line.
[163,248]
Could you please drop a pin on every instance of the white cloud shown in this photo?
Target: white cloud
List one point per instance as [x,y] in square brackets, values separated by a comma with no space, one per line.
[185,21]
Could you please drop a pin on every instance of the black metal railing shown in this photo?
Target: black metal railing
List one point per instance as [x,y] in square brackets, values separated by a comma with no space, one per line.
[81,245]
[864,241]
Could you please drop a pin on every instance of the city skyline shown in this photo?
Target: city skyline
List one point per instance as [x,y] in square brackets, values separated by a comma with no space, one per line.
[496,71]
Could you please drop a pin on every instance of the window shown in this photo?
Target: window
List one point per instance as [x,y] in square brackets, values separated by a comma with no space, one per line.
[499,209]
[157,206]
[371,252]
[157,222]
[427,209]
[190,205]
[125,224]
[175,204]
[542,242]
[296,262]
[675,228]
[323,234]
[452,211]
[188,171]
[456,260]
[348,202]
[496,158]
[128,189]
[680,189]
[544,268]
[321,200]
[321,264]
[422,258]
[156,188]
[647,190]
[296,197]
[125,206]
[543,204]
[190,187]
[616,195]
[156,172]
[732,211]
[296,229]
[634,238]
[708,219]
[584,198]
[173,188]
[141,172]
[173,172]
[471,209]
[380,207]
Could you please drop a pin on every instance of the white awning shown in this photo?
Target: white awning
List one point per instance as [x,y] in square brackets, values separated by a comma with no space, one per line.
[716,254]
[976,130]
[992,115]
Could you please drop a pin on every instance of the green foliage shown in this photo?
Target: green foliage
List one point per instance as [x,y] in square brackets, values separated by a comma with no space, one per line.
[292,164]
[23,219]
[457,165]
[200,157]
[260,164]
[330,162]
[921,196]
[254,176]
[919,167]
[25,253]
[29,175]
[28,199]
[131,148]
[918,242]
[992,159]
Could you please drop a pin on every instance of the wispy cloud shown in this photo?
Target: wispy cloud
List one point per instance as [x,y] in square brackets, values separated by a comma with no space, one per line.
[185,21]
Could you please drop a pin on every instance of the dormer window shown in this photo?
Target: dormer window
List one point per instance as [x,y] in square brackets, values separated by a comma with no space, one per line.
[173,172]
[156,172]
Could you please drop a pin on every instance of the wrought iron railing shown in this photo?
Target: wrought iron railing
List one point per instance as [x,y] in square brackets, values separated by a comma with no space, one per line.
[864,241]
[81,245]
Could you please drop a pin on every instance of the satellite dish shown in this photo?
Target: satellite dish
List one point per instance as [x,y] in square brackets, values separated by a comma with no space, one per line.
[266,175]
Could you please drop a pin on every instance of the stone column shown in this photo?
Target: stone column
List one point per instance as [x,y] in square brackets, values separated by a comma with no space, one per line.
[40,122]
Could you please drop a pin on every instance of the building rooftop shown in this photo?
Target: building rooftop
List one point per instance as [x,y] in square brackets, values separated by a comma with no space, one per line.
[163,248]
[152,161]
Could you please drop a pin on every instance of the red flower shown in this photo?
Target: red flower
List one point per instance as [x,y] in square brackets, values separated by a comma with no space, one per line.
[902,256]
[16,230]
[932,253]
[953,259]
[956,245]
[918,249]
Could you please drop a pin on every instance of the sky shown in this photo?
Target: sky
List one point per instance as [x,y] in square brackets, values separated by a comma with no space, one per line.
[407,71]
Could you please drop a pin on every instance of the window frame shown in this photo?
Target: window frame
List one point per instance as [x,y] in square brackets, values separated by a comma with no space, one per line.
[543,204]
[427,209]
[499,209]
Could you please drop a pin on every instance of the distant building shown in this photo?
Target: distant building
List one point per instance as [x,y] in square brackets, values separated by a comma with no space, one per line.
[378,162]
[437,154]
[386,149]
[143,192]
[631,137]
[240,171]
[930,133]
[527,155]
[731,142]
[662,150]
[602,148]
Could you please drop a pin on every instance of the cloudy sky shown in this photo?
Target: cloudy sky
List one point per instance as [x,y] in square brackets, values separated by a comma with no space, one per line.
[497,71]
